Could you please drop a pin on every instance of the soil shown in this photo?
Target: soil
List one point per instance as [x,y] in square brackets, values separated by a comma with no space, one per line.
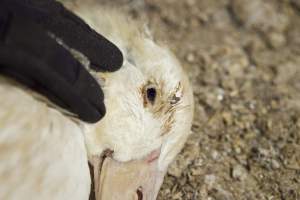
[243,58]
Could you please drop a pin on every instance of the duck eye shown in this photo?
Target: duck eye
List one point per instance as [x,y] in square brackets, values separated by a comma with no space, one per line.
[151,94]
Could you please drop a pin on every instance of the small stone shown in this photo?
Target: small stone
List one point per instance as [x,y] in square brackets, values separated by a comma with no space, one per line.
[191,2]
[210,180]
[275,164]
[276,40]
[190,58]
[175,170]
[220,94]
[252,105]
[239,173]
[197,171]
[237,149]
[199,162]
[227,117]
[178,196]
[215,155]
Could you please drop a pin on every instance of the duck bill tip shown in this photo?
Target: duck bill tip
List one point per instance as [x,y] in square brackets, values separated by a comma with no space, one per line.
[132,180]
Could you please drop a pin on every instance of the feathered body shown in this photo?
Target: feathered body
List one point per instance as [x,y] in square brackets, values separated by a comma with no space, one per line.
[44,154]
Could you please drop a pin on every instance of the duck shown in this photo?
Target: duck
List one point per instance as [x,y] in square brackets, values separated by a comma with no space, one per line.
[48,153]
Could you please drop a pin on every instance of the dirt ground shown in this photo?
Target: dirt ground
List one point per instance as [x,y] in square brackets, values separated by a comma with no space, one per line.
[243,58]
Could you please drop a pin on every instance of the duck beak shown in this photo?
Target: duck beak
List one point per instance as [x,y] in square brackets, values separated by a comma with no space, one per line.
[133,180]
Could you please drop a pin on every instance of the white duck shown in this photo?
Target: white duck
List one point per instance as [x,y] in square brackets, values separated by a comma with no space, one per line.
[44,153]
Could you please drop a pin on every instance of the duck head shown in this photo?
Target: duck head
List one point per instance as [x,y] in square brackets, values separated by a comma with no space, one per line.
[149,106]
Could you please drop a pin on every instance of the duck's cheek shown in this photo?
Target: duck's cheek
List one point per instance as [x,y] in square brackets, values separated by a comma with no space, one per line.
[133,180]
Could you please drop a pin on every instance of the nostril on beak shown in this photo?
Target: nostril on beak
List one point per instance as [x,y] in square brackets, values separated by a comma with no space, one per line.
[107,153]
[139,193]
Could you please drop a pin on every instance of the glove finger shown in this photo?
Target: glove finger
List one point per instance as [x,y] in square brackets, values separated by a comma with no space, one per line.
[73,78]
[103,55]
[36,74]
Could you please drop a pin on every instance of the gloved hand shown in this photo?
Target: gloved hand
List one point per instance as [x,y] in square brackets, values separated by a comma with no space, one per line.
[30,54]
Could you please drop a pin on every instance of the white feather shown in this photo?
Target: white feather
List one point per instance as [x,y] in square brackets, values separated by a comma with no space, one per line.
[42,153]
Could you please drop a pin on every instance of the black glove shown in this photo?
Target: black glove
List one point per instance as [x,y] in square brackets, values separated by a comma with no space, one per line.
[31,55]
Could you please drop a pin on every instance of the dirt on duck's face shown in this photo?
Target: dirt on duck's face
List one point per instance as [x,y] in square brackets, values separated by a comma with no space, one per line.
[244,63]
